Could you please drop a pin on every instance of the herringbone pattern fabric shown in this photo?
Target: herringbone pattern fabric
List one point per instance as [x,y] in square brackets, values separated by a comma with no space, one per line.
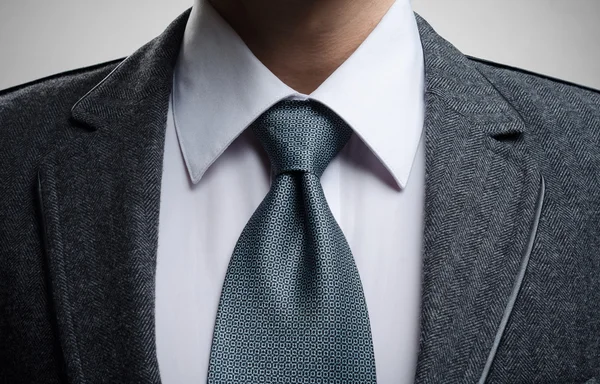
[79,308]
[292,307]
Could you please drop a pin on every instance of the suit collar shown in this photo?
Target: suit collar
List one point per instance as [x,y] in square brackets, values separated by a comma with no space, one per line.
[100,197]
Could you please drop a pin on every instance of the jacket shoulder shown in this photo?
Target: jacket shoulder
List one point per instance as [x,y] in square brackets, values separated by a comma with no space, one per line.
[547,95]
[524,73]
[45,102]
[59,84]
[549,106]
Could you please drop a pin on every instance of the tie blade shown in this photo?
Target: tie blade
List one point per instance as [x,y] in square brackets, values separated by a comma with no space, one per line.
[292,307]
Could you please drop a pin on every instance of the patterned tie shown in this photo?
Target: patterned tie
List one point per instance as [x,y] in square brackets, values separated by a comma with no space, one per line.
[292,308]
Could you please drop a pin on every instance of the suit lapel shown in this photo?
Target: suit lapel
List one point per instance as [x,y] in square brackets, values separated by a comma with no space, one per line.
[100,195]
[483,193]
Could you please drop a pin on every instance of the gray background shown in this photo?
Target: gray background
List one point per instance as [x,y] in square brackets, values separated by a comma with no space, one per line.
[558,38]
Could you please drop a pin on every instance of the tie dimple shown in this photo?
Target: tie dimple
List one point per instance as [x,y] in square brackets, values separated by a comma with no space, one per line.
[301,135]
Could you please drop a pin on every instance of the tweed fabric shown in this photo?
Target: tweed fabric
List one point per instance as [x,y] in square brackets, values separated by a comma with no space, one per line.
[292,308]
[78,248]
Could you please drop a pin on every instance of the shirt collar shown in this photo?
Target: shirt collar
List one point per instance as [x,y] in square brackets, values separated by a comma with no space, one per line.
[220,88]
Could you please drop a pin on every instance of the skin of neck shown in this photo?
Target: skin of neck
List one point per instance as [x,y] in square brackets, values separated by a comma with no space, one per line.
[302,42]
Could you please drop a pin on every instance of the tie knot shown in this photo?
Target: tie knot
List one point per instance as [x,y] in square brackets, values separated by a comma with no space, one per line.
[301,135]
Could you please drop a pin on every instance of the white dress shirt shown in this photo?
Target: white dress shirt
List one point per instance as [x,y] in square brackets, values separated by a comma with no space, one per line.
[215,174]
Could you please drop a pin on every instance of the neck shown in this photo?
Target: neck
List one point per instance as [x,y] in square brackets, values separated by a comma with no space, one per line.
[302,41]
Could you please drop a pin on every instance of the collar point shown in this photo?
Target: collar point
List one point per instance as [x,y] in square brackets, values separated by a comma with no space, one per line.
[194,176]
[398,183]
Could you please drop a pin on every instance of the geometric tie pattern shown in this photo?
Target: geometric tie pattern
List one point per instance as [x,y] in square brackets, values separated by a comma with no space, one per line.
[292,307]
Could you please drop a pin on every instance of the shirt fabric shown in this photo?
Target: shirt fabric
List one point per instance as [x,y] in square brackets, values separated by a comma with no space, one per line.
[215,174]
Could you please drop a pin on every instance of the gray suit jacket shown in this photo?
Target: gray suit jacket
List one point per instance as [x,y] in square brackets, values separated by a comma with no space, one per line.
[511,255]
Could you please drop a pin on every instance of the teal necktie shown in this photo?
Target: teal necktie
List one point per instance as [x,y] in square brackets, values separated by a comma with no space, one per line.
[292,308]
